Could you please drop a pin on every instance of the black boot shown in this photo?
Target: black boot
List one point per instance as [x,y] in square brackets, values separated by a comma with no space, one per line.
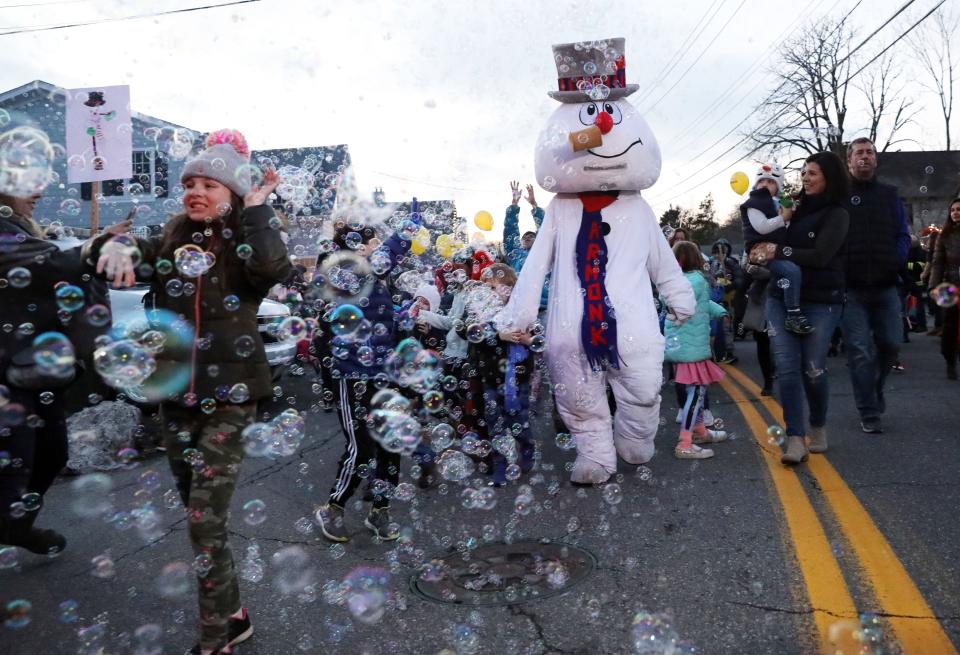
[951,370]
[20,532]
[767,387]
[797,323]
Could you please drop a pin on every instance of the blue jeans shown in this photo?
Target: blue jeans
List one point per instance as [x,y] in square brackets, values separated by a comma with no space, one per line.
[787,270]
[872,332]
[802,362]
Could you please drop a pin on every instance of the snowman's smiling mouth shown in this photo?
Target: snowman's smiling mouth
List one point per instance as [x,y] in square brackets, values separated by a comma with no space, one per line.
[597,154]
[607,167]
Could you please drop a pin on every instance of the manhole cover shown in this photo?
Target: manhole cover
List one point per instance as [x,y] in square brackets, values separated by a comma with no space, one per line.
[504,574]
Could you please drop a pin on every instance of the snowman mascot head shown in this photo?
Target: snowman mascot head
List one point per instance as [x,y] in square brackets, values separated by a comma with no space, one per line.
[595,140]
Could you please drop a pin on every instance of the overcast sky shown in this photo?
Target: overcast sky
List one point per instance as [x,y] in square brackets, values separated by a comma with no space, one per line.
[439,99]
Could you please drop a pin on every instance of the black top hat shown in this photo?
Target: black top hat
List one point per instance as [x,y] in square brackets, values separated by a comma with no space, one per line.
[591,70]
[95,99]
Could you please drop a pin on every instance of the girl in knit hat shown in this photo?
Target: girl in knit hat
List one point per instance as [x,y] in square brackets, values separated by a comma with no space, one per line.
[226,248]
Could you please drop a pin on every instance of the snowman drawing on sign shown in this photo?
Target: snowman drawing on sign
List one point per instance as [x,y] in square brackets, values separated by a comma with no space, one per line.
[602,246]
[95,124]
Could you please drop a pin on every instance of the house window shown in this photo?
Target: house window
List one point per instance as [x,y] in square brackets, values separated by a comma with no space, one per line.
[147,169]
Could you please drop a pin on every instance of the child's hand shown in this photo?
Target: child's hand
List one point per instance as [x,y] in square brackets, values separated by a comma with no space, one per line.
[515,189]
[530,197]
[786,213]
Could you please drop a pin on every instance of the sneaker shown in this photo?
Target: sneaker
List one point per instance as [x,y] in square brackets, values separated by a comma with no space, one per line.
[871,425]
[693,452]
[729,358]
[330,519]
[797,324]
[708,418]
[239,629]
[899,367]
[378,520]
[767,388]
[711,436]
[680,415]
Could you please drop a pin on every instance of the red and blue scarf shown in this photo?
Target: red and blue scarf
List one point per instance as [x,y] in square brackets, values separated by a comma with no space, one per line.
[598,327]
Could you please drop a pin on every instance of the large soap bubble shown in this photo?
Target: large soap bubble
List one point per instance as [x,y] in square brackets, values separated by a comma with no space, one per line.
[26,162]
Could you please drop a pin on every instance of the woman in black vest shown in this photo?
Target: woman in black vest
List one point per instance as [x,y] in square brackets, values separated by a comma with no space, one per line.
[815,241]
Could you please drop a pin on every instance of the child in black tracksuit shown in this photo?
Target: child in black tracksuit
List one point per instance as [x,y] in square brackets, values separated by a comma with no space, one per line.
[356,363]
[502,366]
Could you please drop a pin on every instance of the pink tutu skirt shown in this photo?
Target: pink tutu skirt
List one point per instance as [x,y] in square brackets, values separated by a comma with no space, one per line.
[703,372]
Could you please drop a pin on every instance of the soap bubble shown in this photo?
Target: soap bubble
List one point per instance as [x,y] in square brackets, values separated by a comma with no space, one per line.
[69,297]
[366,590]
[67,611]
[672,343]
[53,353]
[292,570]
[17,614]
[97,315]
[292,328]
[90,495]
[26,162]
[192,261]
[455,466]
[652,634]
[19,277]
[944,295]
[124,364]
[254,512]
[174,580]
[441,437]
[343,276]
[612,493]
[345,319]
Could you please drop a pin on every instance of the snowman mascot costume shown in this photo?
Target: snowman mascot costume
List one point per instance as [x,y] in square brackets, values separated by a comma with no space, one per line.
[602,246]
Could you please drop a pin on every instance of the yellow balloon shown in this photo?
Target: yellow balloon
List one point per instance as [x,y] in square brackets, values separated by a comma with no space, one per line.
[421,242]
[483,220]
[444,245]
[739,182]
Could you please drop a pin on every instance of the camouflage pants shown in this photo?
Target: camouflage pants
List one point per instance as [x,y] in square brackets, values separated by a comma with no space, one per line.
[205,452]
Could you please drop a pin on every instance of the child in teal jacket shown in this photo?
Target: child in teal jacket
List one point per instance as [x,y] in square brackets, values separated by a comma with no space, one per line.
[688,347]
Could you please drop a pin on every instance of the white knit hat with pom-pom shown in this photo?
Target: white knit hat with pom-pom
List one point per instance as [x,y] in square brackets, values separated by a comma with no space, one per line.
[226,159]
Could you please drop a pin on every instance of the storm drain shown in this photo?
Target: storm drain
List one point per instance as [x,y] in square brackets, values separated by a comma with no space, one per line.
[504,574]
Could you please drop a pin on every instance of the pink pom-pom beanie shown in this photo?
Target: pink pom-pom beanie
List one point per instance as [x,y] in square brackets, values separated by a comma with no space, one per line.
[226,159]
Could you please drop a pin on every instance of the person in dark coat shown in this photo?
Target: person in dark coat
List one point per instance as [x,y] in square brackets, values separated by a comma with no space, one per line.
[31,266]
[877,247]
[227,247]
[815,242]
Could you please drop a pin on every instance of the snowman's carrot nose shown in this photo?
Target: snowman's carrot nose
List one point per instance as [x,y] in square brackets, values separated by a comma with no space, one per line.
[590,137]
[604,122]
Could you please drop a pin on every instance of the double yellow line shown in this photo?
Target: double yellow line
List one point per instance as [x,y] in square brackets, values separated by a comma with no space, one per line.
[913,623]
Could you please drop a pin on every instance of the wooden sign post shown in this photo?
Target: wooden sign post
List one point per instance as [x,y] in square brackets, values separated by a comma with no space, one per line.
[94,208]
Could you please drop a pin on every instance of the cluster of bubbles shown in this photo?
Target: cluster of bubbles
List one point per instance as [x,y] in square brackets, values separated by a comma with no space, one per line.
[280,437]
[26,162]
[296,188]
[192,261]
[391,424]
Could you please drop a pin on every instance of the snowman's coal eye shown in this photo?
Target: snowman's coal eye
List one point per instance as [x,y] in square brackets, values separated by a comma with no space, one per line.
[588,114]
[614,111]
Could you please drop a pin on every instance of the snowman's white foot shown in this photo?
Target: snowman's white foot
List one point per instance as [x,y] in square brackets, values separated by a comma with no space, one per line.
[635,451]
[588,472]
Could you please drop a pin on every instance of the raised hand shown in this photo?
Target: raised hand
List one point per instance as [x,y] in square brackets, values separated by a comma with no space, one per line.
[116,261]
[258,194]
[530,197]
[515,188]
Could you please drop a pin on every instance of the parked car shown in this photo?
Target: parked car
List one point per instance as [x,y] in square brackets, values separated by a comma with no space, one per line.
[126,307]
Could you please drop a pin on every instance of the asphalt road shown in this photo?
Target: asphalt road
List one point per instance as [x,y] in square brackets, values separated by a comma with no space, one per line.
[710,547]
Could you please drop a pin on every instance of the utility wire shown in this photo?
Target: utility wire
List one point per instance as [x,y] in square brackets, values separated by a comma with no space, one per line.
[711,107]
[46,28]
[787,103]
[699,57]
[681,50]
[783,111]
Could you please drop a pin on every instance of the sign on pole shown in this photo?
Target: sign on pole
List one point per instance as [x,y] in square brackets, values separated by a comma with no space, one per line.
[99,134]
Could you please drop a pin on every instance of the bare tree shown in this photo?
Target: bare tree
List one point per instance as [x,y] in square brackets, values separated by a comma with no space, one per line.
[809,110]
[887,106]
[939,58]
